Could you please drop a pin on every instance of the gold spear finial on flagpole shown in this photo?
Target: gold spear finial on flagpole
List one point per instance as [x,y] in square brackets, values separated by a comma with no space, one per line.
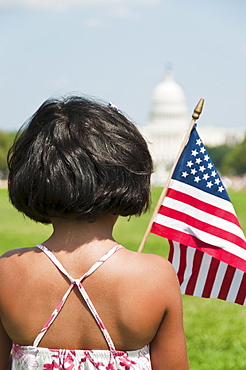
[198,109]
[195,116]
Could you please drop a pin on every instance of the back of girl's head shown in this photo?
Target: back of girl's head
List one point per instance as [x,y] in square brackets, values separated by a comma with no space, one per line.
[77,157]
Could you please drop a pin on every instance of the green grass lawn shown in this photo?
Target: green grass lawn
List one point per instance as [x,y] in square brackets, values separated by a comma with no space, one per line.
[215,330]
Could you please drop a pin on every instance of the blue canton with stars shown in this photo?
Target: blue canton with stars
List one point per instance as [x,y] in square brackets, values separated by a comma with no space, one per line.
[195,168]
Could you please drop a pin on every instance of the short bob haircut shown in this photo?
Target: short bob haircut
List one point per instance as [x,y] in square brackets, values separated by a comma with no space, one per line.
[80,158]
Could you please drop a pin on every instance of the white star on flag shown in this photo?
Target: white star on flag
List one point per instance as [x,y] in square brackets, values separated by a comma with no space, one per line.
[189,164]
[193,171]
[194,152]
[206,176]
[209,184]
[202,168]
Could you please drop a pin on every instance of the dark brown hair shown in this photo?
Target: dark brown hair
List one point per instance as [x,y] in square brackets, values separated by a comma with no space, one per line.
[79,157]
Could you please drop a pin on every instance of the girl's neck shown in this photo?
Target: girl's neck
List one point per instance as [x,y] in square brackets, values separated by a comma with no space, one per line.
[70,234]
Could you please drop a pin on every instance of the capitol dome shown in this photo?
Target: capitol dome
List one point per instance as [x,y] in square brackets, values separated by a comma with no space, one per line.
[168,123]
[169,104]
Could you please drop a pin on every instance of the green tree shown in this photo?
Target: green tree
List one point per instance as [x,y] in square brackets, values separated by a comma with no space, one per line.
[218,154]
[6,140]
[235,160]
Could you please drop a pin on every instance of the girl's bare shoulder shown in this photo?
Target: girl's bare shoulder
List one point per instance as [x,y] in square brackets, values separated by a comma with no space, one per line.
[154,267]
[148,260]
[12,260]
[151,278]
[15,254]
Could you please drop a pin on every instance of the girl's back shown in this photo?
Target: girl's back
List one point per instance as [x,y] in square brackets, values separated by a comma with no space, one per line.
[130,292]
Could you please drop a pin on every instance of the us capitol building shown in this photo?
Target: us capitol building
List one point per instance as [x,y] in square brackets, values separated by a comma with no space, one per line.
[169,120]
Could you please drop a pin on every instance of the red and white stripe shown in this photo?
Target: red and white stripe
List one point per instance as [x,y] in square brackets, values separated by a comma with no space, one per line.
[202,275]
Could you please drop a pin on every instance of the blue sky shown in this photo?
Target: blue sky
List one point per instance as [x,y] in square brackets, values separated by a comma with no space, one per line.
[117,50]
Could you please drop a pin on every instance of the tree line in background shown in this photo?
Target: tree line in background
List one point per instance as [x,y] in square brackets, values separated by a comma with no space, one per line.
[229,160]
[6,140]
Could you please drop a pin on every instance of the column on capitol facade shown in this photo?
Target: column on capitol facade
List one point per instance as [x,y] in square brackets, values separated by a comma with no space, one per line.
[166,127]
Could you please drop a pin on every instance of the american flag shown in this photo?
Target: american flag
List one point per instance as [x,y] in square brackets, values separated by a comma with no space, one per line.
[207,244]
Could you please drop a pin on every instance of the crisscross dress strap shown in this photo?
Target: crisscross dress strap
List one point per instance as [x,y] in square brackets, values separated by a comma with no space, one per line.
[78,283]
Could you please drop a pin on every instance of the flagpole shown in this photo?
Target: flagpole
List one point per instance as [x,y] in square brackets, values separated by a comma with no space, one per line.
[195,117]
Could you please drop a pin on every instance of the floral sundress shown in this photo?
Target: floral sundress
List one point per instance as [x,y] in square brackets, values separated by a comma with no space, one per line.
[39,358]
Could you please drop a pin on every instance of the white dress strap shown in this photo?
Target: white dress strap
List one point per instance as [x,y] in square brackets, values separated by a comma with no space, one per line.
[78,283]
[56,262]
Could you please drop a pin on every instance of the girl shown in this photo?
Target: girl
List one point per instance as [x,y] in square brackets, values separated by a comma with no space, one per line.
[79,300]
